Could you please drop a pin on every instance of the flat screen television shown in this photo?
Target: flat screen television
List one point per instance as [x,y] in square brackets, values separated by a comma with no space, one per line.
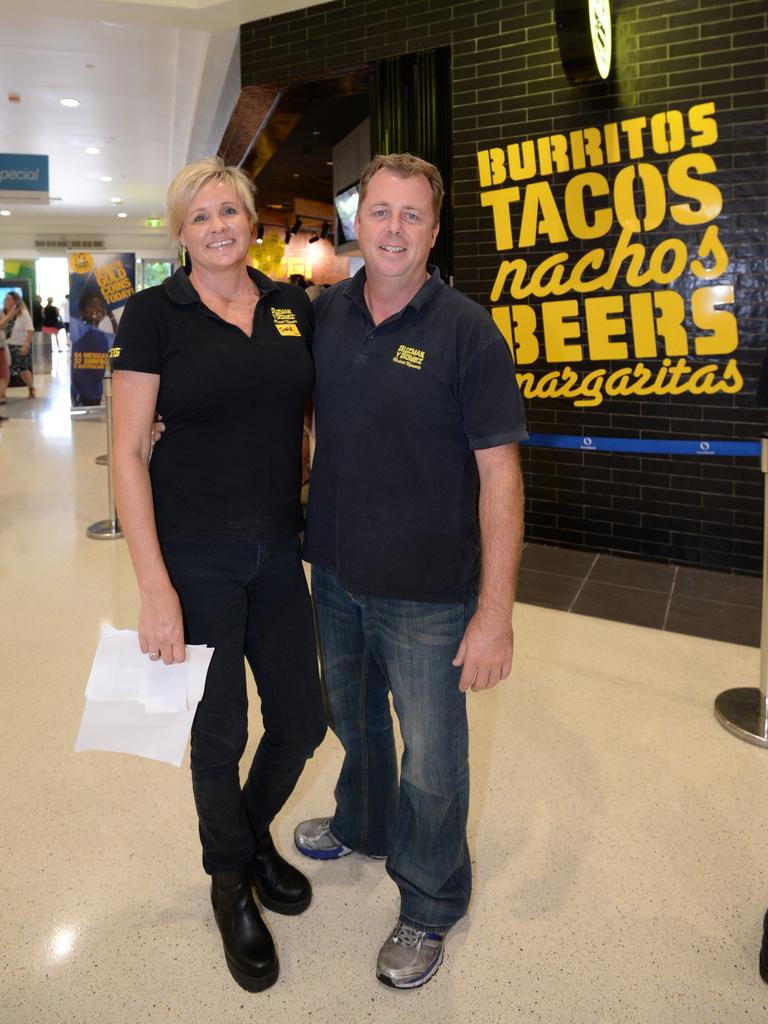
[19,285]
[345,203]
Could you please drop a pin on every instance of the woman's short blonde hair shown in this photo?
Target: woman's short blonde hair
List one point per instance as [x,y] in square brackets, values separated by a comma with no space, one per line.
[193,177]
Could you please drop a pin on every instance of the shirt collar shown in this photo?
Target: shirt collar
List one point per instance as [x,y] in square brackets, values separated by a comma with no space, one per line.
[181,291]
[354,289]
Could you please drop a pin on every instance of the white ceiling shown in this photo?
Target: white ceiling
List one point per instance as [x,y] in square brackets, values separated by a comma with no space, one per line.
[152,81]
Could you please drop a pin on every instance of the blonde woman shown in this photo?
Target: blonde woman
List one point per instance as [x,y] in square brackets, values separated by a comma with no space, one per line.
[212,525]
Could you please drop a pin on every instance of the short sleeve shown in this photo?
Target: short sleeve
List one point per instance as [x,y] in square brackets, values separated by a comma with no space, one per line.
[491,403]
[137,344]
[26,322]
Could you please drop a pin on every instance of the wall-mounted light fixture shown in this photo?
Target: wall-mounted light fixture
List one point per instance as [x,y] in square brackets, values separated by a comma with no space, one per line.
[584,35]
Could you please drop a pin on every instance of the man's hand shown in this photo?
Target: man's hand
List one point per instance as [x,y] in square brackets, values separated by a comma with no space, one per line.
[485,651]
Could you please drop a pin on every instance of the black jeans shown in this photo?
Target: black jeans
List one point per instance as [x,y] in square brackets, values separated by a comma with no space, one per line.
[252,600]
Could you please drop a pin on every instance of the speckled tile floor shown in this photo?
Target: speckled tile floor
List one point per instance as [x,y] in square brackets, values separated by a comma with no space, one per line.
[617,831]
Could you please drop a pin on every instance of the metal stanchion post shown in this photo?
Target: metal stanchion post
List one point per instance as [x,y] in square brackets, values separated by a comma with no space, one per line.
[744,710]
[107,529]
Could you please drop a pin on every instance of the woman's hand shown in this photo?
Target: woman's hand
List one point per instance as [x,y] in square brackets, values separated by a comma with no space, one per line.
[158,429]
[306,462]
[161,627]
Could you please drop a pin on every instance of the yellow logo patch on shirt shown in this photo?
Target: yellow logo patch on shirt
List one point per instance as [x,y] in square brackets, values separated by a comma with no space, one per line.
[407,356]
[285,322]
[114,353]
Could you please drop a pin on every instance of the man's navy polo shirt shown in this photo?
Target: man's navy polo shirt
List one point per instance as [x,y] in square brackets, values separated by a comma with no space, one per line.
[400,410]
[228,468]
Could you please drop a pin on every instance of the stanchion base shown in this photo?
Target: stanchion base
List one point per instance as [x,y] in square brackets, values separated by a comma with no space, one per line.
[738,711]
[88,410]
[105,529]
[102,460]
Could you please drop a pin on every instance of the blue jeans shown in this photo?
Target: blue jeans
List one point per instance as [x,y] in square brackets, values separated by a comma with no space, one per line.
[248,600]
[371,646]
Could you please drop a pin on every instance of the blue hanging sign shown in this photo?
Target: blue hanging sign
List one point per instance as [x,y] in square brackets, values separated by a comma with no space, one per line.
[23,178]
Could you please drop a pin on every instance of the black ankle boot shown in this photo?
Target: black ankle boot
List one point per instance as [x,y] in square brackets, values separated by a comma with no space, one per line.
[248,946]
[279,885]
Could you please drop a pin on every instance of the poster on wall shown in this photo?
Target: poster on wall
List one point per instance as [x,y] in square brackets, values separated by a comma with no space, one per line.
[614,280]
[99,286]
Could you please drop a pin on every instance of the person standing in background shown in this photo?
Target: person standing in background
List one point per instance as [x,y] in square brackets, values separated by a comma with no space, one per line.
[19,328]
[64,311]
[5,366]
[37,318]
[52,322]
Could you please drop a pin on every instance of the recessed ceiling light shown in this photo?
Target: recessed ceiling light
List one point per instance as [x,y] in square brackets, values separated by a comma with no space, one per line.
[329,163]
[5,213]
[92,150]
[105,177]
[315,133]
[296,174]
[116,200]
[122,214]
[69,102]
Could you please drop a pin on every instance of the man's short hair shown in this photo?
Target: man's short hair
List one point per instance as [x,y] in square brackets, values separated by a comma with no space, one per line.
[405,165]
[194,176]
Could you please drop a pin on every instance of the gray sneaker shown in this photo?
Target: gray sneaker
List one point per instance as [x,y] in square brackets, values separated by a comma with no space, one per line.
[409,957]
[315,839]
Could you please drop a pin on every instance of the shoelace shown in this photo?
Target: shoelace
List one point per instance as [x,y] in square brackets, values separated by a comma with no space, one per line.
[408,936]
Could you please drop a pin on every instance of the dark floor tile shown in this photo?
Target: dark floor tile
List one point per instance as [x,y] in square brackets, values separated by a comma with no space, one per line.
[735,624]
[719,586]
[632,572]
[562,561]
[622,604]
[547,589]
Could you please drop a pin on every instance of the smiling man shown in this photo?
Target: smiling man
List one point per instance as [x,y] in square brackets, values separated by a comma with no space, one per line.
[416,401]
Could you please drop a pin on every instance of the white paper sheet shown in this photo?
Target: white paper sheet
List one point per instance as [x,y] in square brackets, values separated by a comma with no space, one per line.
[138,706]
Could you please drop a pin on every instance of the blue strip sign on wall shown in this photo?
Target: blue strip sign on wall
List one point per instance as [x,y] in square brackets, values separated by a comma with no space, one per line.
[23,178]
[645,446]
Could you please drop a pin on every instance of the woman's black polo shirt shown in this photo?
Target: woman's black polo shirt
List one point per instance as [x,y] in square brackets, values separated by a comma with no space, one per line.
[228,468]
[400,410]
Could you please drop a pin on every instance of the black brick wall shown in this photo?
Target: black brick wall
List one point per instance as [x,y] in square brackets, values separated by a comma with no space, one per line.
[508,85]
